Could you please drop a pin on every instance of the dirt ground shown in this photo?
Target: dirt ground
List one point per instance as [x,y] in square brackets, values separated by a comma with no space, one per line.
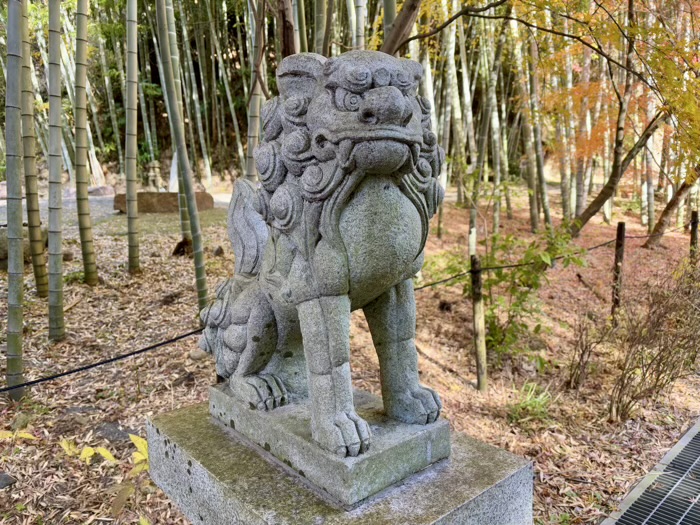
[583,463]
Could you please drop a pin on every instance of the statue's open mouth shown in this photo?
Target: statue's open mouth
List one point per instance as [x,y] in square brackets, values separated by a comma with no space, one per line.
[388,143]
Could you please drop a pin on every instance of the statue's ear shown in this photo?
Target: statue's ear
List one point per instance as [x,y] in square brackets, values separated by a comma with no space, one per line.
[297,74]
[413,68]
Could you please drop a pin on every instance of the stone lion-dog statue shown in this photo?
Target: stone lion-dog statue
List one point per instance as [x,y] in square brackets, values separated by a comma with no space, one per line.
[348,170]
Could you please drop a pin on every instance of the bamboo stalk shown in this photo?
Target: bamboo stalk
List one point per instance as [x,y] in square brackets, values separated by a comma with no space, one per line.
[36,240]
[81,147]
[15,268]
[56,321]
[131,147]
[179,138]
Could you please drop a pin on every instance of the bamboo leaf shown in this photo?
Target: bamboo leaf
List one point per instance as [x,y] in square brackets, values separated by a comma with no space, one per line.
[122,497]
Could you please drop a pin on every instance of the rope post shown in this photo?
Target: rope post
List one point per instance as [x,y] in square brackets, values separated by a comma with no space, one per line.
[479,324]
[617,269]
[694,237]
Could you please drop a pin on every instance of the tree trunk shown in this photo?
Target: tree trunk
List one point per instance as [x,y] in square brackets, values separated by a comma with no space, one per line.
[528,135]
[15,242]
[400,27]
[56,323]
[536,128]
[287,28]
[36,240]
[665,219]
[620,164]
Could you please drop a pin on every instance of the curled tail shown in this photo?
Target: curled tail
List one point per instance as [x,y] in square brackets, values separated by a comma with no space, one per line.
[246,229]
[226,320]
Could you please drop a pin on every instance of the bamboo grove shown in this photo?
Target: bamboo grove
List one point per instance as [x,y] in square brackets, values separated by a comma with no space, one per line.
[576,101]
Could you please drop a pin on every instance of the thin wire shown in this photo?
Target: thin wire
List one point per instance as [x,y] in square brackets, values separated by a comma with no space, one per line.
[560,257]
[99,363]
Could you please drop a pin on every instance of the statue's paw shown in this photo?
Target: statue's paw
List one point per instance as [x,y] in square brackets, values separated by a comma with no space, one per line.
[416,406]
[345,435]
[262,392]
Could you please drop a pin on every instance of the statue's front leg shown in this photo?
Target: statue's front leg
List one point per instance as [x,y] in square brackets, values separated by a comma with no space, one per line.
[392,322]
[325,328]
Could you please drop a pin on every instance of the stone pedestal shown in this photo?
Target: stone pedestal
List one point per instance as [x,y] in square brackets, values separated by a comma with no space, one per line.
[216,479]
[398,450]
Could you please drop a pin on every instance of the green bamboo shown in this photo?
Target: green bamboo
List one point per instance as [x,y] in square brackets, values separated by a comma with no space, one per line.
[56,323]
[110,102]
[179,138]
[87,245]
[36,240]
[131,147]
[189,67]
[301,15]
[15,273]
[175,61]
[256,92]
[227,87]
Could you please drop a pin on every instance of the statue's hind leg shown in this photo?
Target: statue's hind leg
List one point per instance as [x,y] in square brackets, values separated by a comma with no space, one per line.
[258,331]
[392,322]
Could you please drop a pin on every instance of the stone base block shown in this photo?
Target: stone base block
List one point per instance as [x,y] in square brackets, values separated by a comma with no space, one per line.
[218,480]
[397,451]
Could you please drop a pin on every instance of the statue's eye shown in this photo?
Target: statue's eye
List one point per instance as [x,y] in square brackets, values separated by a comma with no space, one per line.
[346,100]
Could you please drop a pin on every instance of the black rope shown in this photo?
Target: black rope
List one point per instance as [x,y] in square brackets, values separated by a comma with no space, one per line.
[100,363]
[199,330]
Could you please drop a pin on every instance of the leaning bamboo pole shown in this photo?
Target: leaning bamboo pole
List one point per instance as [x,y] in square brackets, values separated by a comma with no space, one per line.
[87,244]
[179,138]
[131,147]
[56,323]
[15,268]
[36,240]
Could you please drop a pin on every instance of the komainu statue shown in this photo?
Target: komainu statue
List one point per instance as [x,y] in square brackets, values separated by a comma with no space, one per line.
[349,172]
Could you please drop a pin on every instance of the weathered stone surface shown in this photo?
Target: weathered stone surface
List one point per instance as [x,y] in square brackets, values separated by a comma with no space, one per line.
[113,432]
[398,449]
[27,253]
[348,182]
[216,480]
[6,480]
[101,191]
[161,202]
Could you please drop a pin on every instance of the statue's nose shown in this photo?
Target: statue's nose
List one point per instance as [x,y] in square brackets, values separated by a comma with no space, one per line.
[385,105]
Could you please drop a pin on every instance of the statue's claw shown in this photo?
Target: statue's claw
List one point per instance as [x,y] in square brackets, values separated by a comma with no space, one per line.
[417,406]
[347,435]
[262,392]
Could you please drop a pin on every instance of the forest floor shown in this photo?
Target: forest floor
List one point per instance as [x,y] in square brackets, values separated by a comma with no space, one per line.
[584,464]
